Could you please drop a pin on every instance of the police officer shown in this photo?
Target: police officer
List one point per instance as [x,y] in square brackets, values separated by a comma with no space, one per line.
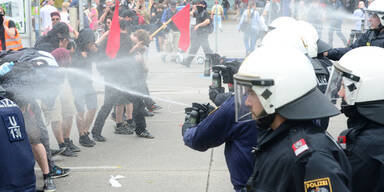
[363,104]
[218,128]
[293,154]
[16,159]
[303,37]
[200,32]
[373,37]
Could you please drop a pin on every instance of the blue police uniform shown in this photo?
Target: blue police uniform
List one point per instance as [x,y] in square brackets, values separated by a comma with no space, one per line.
[16,159]
[239,138]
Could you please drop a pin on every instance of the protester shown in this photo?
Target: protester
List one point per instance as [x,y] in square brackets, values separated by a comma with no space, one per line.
[56,18]
[217,13]
[251,25]
[82,85]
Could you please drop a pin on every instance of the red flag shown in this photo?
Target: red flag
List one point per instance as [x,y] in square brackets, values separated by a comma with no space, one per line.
[113,44]
[181,21]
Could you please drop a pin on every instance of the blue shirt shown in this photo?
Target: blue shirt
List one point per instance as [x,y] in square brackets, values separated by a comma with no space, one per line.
[255,20]
[16,157]
[359,15]
[239,138]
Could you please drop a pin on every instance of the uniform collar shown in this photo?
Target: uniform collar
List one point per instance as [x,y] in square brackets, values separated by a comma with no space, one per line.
[270,135]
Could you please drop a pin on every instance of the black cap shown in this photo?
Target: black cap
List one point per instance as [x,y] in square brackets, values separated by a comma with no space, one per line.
[313,105]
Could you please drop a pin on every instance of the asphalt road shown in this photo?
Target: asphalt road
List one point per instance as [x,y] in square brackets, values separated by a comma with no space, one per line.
[164,163]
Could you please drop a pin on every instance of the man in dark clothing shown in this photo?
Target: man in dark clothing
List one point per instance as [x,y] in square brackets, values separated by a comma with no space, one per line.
[292,154]
[373,37]
[362,104]
[239,138]
[82,84]
[200,32]
[226,7]
[122,76]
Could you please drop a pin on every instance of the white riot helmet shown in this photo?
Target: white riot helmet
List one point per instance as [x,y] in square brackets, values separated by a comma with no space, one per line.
[358,75]
[284,38]
[377,7]
[309,36]
[284,82]
[282,22]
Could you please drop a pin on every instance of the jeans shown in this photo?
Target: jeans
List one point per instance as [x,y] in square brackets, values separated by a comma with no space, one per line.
[250,38]
[216,22]
[336,28]
[226,13]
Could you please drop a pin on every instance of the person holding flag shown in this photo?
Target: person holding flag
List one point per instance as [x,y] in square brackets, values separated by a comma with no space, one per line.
[172,33]
[200,32]
[126,73]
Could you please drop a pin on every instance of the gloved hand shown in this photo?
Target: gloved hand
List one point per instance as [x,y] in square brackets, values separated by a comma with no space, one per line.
[195,114]
[203,110]
[187,125]
[213,92]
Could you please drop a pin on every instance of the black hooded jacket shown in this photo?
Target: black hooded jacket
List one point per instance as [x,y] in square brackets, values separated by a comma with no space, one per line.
[364,146]
[373,37]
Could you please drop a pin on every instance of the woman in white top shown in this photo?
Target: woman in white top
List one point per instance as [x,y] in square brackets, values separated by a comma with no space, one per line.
[64,15]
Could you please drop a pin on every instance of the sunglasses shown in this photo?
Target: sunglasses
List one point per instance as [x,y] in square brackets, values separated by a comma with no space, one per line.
[55,19]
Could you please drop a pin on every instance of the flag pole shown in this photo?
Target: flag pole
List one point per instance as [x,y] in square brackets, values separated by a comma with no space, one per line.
[160,28]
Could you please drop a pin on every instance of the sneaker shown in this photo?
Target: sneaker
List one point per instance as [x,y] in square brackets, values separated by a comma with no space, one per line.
[98,138]
[90,140]
[123,130]
[148,113]
[71,146]
[58,172]
[85,141]
[67,151]
[55,152]
[131,126]
[145,134]
[49,185]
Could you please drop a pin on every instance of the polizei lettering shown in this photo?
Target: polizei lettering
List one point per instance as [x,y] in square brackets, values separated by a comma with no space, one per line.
[321,185]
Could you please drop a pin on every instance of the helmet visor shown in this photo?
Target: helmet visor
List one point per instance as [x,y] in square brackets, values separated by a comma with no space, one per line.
[253,98]
[343,84]
[334,85]
[242,91]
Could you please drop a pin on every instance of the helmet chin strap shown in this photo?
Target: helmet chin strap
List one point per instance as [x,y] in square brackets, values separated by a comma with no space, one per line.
[265,122]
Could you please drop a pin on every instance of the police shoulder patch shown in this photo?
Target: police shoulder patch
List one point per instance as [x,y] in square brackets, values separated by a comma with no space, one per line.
[318,185]
[299,147]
